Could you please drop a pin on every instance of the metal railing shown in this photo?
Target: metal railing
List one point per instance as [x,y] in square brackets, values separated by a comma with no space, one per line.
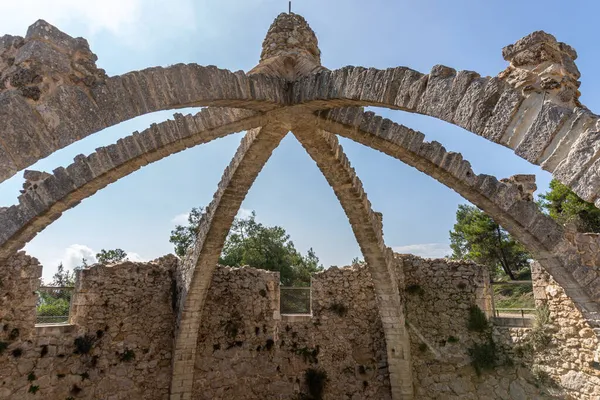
[521,312]
[295,300]
[53,304]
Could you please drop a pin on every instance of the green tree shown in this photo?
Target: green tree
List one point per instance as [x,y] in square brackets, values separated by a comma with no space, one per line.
[184,235]
[253,244]
[111,256]
[478,237]
[565,207]
[63,277]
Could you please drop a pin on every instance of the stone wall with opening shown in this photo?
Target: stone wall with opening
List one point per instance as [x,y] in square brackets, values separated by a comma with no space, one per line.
[120,340]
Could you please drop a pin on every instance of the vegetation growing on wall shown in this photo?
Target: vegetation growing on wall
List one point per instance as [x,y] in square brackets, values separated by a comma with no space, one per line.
[315,379]
[477,319]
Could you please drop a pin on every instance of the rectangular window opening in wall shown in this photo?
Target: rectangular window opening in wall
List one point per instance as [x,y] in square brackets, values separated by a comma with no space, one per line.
[53,305]
[513,303]
[295,301]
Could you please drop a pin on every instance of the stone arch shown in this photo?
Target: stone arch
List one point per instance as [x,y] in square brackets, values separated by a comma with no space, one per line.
[53,94]
[532,107]
[503,201]
[47,198]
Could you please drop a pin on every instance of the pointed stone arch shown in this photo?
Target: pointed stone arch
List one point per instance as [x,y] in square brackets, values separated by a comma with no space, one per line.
[45,200]
[52,93]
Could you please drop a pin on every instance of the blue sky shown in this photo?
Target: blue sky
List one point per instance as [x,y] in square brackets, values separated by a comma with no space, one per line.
[138,212]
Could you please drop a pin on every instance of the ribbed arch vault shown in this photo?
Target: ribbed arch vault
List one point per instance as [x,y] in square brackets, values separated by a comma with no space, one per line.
[54,95]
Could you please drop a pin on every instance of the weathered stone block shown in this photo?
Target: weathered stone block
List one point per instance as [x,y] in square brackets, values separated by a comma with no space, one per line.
[23,134]
[582,155]
[439,87]
[545,126]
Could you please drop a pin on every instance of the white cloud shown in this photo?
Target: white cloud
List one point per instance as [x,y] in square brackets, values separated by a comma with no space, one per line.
[135,257]
[130,20]
[244,213]
[427,250]
[74,254]
[180,219]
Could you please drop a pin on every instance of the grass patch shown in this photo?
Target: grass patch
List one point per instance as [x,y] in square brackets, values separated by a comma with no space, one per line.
[514,296]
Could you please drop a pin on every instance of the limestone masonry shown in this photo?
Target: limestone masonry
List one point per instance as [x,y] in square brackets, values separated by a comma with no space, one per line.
[166,329]
[247,350]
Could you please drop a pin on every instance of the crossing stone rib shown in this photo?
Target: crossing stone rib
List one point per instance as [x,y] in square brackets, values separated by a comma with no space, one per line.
[366,224]
[199,264]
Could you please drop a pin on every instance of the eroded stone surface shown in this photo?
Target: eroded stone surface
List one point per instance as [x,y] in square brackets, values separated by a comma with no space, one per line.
[52,94]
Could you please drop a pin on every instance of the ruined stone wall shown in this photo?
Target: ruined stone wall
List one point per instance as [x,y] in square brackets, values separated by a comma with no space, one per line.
[118,348]
[19,279]
[439,295]
[244,353]
[247,350]
[570,356]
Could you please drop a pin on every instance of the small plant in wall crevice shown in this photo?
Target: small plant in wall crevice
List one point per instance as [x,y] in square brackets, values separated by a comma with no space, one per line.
[452,339]
[484,356]
[315,379]
[415,290]
[127,355]
[339,308]
[84,344]
[477,320]
[14,333]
